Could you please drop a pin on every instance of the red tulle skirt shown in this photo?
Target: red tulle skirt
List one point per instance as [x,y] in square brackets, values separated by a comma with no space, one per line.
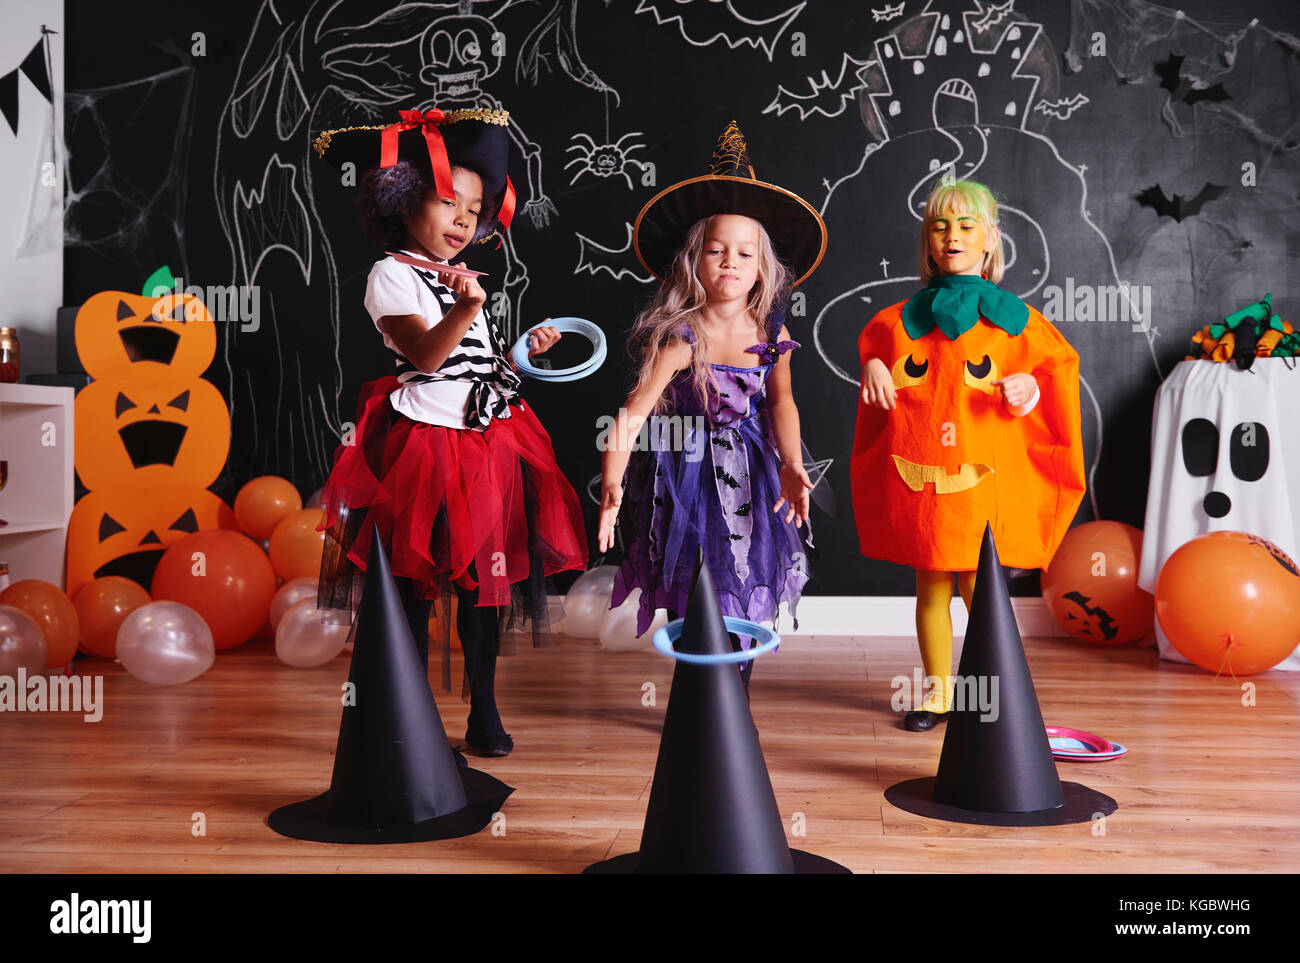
[486,510]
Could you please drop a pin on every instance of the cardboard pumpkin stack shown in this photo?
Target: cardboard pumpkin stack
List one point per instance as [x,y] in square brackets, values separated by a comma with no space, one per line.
[151,433]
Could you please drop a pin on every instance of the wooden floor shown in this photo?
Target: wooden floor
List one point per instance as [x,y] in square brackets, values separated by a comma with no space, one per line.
[1209,785]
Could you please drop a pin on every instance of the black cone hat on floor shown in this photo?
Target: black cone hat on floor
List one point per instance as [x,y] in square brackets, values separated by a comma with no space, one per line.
[395,778]
[712,808]
[996,768]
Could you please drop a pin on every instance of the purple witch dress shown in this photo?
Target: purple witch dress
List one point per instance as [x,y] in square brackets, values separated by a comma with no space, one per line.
[711,478]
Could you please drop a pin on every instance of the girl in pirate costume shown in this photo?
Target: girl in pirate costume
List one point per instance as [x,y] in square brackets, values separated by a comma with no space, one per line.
[448,462]
[713,351]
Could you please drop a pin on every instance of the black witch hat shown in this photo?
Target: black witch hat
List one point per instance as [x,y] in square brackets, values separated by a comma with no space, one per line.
[712,808]
[395,778]
[996,768]
[796,229]
[432,141]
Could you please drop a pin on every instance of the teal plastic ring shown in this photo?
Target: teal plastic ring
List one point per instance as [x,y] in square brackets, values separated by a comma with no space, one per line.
[670,633]
[519,353]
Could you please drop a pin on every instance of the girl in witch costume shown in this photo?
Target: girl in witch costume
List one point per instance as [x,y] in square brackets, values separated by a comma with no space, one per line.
[448,461]
[712,347]
[969,414]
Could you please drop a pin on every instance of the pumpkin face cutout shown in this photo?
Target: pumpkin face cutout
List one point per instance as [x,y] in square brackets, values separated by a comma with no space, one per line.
[125,530]
[173,334]
[951,456]
[150,431]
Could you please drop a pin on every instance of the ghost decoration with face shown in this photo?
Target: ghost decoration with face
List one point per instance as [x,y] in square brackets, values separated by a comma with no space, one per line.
[1223,458]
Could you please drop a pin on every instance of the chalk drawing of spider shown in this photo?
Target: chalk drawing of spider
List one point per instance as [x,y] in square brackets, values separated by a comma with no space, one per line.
[603,160]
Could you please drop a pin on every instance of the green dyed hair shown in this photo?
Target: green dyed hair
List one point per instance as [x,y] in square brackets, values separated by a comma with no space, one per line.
[963,197]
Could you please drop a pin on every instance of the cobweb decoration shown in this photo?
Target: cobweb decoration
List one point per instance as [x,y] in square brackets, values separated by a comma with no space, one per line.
[125,184]
[1140,35]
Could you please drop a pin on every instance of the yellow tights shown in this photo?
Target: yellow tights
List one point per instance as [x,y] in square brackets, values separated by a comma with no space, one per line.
[934,629]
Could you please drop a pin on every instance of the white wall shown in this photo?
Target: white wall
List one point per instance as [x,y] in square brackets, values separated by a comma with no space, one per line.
[31,287]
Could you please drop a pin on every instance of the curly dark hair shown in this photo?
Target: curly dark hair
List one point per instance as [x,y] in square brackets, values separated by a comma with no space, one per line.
[392,195]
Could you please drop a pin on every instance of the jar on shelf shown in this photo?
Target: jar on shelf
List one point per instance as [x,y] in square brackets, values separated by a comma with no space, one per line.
[8,355]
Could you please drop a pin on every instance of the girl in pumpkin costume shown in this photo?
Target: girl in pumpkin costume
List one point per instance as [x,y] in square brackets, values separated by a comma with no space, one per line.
[448,462]
[713,352]
[969,414]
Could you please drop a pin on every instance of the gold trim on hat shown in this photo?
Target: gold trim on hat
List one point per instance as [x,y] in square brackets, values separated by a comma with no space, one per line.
[752,182]
[499,117]
[731,153]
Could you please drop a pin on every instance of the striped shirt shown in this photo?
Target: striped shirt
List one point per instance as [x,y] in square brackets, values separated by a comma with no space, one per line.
[474,385]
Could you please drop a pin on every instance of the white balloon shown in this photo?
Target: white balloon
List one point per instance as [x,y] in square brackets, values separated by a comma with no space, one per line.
[587,602]
[165,643]
[22,643]
[618,630]
[289,594]
[304,641]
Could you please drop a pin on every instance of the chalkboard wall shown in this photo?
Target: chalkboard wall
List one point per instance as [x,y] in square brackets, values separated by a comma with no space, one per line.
[190,132]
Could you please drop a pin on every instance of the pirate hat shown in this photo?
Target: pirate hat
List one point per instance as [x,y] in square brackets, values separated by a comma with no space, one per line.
[730,187]
[432,142]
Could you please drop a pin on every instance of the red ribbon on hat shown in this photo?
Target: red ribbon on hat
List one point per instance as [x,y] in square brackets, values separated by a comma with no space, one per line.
[507,212]
[428,123]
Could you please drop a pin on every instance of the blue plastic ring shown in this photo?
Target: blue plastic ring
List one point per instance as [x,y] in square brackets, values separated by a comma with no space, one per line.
[670,633]
[519,353]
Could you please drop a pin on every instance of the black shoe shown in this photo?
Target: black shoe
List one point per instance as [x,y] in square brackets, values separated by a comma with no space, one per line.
[923,721]
[490,744]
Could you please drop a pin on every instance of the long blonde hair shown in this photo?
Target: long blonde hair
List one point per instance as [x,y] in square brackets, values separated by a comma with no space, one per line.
[963,197]
[680,298]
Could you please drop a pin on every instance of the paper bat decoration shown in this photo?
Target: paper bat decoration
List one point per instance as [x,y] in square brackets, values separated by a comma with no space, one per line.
[889,13]
[826,97]
[1180,88]
[1061,109]
[702,22]
[617,262]
[1179,207]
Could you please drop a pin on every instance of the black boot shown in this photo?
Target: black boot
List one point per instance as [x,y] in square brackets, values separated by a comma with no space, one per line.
[478,628]
[923,721]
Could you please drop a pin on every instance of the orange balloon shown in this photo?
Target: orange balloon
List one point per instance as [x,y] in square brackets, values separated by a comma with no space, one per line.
[1230,602]
[224,577]
[101,607]
[296,546]
[52,611]
[1090,586]
[263,503]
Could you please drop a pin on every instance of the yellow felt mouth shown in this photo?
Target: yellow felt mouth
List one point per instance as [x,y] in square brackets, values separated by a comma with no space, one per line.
[916,476]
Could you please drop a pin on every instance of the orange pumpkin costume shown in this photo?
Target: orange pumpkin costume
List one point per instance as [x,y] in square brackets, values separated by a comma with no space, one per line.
[927,475]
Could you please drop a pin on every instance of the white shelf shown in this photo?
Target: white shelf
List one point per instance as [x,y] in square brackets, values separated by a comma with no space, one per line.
[20,394]
[12,529]
[37,440]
